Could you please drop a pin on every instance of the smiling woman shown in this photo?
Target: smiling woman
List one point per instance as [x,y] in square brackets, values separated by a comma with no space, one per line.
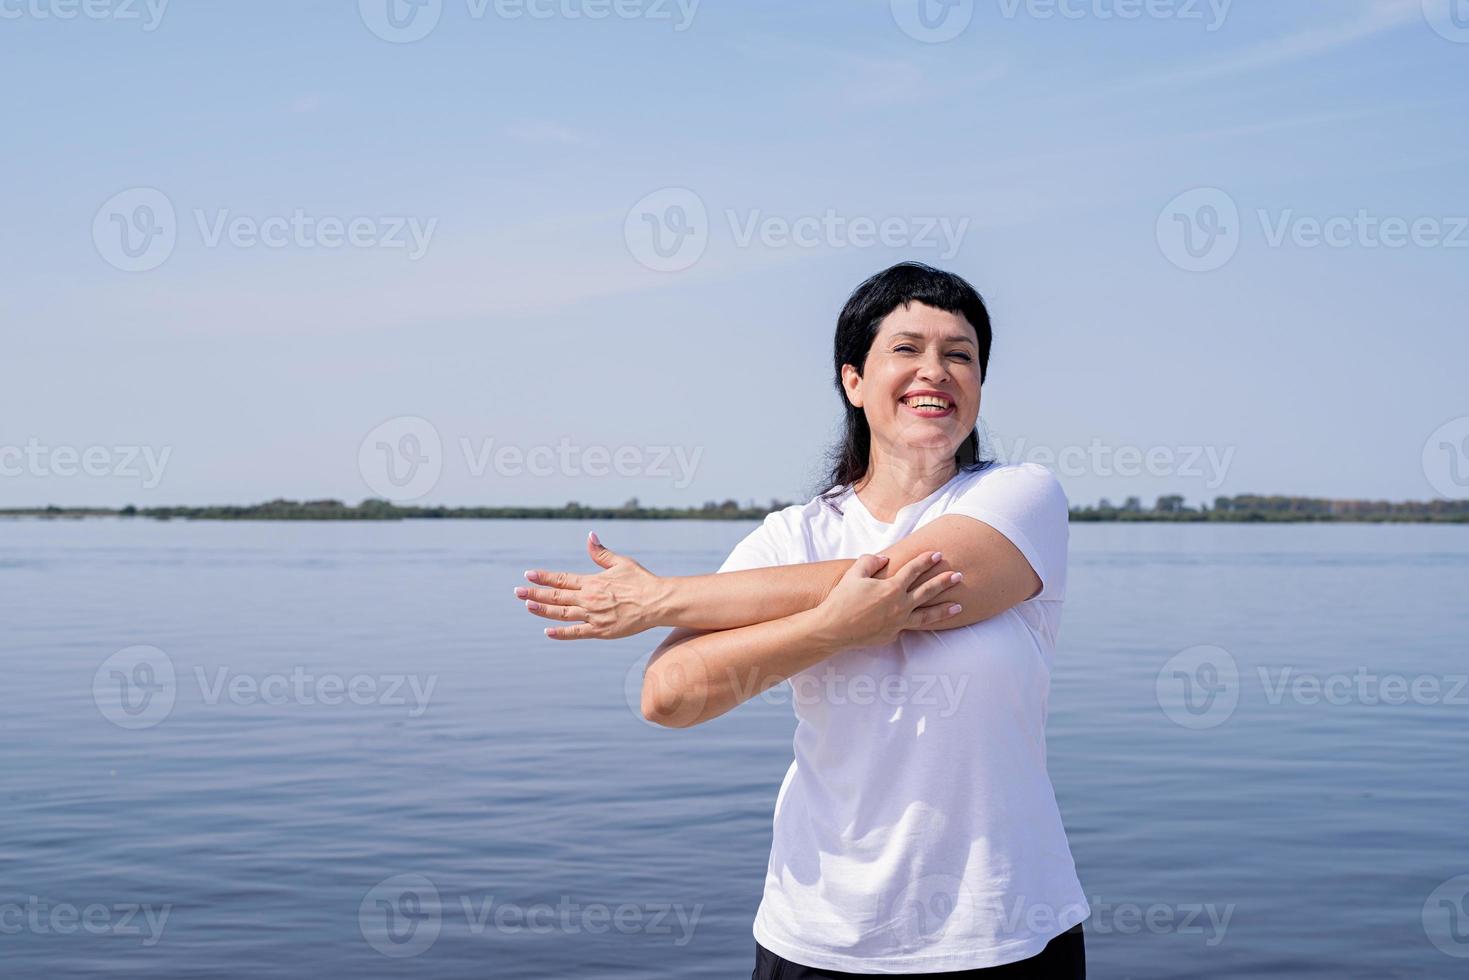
[913,834]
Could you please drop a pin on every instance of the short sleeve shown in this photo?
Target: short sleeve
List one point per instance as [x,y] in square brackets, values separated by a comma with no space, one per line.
[1025,503]
[761,548]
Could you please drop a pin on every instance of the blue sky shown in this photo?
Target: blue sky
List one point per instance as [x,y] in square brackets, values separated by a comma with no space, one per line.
[1063,158]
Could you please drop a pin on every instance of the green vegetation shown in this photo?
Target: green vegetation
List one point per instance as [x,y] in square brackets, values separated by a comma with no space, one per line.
[1252,508]
[1243,508]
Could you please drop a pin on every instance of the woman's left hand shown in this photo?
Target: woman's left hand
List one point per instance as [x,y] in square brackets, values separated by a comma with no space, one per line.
[618,602]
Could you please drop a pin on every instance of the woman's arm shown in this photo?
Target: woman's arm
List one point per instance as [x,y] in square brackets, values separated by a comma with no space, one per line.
[628,599]
[694,676]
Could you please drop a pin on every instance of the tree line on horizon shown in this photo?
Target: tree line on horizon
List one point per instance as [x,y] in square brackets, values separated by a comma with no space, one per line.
[1170,507]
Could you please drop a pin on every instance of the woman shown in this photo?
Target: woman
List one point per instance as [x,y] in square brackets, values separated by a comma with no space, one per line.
[913,606]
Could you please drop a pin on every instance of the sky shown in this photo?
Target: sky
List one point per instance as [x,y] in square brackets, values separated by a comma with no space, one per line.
[527,252]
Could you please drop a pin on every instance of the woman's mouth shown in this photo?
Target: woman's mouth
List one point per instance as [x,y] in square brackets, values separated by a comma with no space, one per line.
[928,405]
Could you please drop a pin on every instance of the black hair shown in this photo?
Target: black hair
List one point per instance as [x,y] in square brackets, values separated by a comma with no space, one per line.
[857,326]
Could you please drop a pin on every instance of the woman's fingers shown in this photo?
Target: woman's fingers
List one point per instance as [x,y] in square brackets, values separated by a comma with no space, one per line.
[926,617]
[867,566]
[554,597]
[916,566]
[600,553]
[555,612]
[557,580]
[580,631]
[935,587]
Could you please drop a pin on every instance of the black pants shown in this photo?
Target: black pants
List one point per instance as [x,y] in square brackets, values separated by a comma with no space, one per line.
[1064,958]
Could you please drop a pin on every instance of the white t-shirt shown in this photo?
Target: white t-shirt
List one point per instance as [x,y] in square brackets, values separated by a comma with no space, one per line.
[916,830]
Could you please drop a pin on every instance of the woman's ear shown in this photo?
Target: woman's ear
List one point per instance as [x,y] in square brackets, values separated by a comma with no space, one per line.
[852,384]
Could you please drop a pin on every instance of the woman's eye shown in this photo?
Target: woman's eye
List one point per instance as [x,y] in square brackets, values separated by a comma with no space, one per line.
[960,353]
[902,347]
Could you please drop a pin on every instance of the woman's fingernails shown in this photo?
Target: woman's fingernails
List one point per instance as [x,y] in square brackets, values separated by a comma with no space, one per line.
[592,536]
[937,555]
[530,576]
[521,592]
[955,609]
[957,577]
[532,605]
[550,631]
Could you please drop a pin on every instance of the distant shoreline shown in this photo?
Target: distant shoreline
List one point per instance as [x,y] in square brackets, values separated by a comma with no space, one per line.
[1244,509]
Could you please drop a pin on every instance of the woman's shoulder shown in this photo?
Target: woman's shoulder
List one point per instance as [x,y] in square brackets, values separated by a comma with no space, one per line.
[1024,477]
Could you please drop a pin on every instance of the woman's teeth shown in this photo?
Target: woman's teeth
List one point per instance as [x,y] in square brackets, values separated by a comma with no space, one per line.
[927,402]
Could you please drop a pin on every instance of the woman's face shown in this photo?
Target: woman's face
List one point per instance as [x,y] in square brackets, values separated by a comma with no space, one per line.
[920,386]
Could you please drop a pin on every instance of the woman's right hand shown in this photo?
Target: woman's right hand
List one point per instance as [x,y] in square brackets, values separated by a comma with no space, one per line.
[862,611]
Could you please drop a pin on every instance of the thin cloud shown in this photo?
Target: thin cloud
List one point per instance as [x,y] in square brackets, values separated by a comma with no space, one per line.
[1377,17]
[544,132]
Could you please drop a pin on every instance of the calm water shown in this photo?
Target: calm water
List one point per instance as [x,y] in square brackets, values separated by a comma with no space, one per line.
[290,804]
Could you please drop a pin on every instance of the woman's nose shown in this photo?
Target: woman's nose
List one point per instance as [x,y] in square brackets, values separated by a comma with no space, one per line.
[933,370]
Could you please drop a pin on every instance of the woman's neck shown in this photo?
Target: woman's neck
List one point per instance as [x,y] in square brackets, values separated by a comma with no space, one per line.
[889,487]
